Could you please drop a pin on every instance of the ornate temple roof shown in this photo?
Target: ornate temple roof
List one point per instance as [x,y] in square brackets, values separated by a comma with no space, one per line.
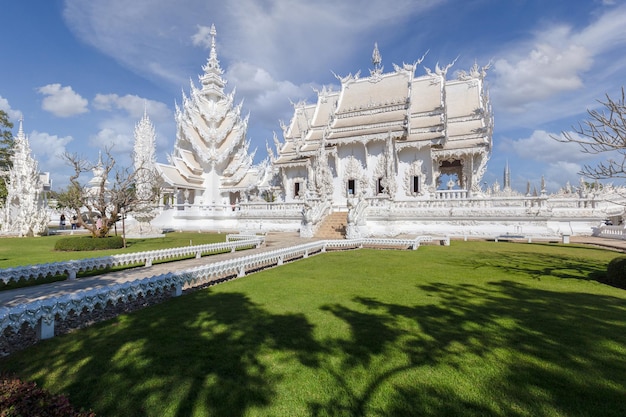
[211,134]
[414,110]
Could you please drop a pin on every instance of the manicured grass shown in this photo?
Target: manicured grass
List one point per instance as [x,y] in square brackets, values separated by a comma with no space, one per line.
[37,250]
[474,329]
[27,251]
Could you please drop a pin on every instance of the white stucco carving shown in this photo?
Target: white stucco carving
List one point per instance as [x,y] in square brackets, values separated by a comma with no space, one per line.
[25,212]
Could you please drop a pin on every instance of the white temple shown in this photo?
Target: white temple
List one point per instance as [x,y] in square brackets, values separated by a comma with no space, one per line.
[387,154]
[25,211]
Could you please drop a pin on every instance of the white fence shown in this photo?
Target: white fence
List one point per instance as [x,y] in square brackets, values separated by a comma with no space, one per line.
[71,268]
[611,232]
[42,314]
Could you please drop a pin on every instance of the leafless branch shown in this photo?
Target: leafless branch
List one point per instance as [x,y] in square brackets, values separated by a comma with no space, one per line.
[603,132]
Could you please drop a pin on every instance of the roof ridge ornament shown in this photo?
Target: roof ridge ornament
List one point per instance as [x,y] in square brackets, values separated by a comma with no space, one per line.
[377,59]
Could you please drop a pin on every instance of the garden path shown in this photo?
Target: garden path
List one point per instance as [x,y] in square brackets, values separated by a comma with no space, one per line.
[39,292]
[273,241]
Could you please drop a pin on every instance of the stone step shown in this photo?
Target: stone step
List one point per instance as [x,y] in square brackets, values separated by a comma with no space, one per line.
[333,226]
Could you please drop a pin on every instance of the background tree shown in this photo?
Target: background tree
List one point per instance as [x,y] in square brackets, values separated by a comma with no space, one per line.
[603,132]
[6,147]
[109,195]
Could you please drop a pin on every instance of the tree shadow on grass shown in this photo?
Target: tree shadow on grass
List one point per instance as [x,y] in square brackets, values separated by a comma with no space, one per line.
[540,265]
[210,361]
[544,352]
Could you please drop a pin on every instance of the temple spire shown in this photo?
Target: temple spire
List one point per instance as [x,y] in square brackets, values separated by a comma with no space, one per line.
[20,130]
[212,81]
[507,176]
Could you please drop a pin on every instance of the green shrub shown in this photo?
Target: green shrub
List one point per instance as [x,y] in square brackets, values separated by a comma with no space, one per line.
[616,272]
[20,398]
[81,243]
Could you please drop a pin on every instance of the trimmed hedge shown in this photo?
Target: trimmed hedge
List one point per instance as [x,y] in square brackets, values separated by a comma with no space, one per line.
[21,398]
[81,243]
[616,272]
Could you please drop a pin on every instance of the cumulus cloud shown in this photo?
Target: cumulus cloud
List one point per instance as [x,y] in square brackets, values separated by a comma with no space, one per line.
[561,172]
[540,146]
[202,37]
[116,136]
[14,115]
[270,98]
[560,59]
[48,149]
[132,105]
[62,101]
[548,69]
[274,34]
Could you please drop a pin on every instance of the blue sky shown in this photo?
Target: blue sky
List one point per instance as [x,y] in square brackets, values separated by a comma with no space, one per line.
[81,71]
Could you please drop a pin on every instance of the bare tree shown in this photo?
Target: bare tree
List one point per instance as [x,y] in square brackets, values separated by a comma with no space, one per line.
[110,194]
[603,132]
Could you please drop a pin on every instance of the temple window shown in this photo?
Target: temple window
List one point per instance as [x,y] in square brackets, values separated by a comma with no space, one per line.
[296,189]
[351,187]
[415,184]
[380,189]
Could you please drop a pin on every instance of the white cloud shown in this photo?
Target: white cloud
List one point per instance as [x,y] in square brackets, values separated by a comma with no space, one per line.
[270,98]
[561,172]
[540,146]
[14,115]
[117,140]
[274,34]
[62,101]
[202,37]
[48,149]
[548,69]
[133,105]
[558,60]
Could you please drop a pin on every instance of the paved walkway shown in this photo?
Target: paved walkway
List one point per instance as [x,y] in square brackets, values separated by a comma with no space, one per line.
[273,241]
[602,242]
[38,292]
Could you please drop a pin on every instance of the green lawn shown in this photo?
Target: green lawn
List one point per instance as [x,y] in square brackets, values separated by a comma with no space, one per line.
[474,329]
[24,251]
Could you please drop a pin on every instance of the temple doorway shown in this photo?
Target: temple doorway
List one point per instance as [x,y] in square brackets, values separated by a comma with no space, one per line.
[450,175]
[448,182]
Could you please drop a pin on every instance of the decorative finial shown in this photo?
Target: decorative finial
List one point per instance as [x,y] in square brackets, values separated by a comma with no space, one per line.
[507,176]
[20,131]
[376,57]
[213,33]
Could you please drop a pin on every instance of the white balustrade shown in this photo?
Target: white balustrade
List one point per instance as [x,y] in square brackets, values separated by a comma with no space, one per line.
[243,236]
[611,232]
[41,314]
[450,194]
[71,268]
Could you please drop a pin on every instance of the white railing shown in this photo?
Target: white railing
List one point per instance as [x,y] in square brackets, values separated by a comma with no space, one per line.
[611,232]
[244,236]
[71,268]
[42,314]
[450,194]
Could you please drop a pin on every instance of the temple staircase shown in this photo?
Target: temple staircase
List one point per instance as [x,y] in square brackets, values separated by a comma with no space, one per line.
[333,226]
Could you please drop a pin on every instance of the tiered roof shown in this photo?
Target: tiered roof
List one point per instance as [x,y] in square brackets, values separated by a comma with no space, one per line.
[211,134]
[415,111]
